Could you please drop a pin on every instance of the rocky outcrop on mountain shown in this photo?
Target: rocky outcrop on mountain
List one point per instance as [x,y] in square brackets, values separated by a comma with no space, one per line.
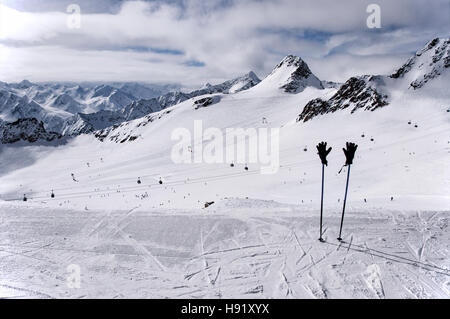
[357,93]
[331,85]
[28,129]
[426,64]
[207,101]
[314,108]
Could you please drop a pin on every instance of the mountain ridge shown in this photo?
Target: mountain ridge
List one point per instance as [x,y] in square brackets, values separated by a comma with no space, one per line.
[370,92]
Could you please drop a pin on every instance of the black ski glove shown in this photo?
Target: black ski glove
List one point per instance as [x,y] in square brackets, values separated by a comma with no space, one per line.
[350,153]
[323,152]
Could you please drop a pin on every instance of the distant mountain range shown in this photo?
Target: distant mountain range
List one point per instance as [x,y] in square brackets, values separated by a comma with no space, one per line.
[74,109]
[70,110]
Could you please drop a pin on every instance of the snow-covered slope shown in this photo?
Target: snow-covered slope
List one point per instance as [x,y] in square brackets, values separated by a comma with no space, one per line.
[242,249]
[143,107]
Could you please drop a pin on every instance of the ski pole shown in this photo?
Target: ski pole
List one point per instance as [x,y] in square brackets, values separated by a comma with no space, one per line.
[345,201]
[349,152]
[323,153]
[321,203]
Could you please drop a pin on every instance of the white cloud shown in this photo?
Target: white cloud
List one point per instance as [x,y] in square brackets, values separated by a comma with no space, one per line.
[229,39]
[341,67]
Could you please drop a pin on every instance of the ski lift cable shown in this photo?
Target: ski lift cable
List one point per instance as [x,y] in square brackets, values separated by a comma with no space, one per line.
[156,186]
[132,180]
[131,189]
[87,172]
[183,172]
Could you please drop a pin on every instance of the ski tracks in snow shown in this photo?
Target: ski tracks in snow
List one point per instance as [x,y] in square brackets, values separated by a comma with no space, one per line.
[277,256]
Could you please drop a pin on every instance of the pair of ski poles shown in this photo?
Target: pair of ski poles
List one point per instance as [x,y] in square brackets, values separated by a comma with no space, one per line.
[323,152]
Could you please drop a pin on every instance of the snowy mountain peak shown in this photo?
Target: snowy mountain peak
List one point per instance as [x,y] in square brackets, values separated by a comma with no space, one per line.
[252,75]
[292,75]
[104,90]
[437,43]
[206,85]
[241,83]
[292,60]
[25,84]
[428,63]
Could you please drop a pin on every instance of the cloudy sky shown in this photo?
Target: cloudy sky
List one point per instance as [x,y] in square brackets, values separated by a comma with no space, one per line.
[195,41]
